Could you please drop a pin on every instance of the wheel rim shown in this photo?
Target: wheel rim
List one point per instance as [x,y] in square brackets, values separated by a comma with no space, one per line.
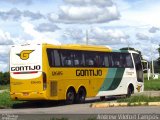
[82,96]
[70,96]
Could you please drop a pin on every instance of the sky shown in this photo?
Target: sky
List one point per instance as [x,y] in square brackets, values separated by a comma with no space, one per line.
[114,23]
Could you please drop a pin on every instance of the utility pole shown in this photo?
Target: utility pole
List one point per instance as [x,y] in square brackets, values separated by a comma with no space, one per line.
[152,62]
[128,44]
[86,37]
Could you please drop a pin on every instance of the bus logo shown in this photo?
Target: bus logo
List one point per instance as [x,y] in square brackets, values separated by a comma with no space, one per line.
[139,88]
[24,55]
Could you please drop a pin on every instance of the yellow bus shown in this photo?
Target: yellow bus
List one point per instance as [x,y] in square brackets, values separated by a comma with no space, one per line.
[73,72]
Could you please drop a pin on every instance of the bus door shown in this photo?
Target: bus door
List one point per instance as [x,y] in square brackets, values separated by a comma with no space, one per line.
[138,67]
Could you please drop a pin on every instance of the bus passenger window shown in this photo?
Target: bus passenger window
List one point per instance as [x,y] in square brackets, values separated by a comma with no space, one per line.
[115,60]
[106,60]
[67,62]
[89,59]
[129,62]
[76,62]
[66,58]
[50,53]
[57,58]
[77,58]
[103,60]
[90,62]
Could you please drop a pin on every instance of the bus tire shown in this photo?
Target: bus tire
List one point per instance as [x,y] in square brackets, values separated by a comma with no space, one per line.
[81,95]
[129,90]
[102,98]
[70,96]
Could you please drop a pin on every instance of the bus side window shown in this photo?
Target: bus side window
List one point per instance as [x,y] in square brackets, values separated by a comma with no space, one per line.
[103,60]
[57,58]
[78,60]
[106,60]
[123,60]
[129,62]
[53,58]
[50,54]
[115,60]
[66,58]
[111,61]
[89,59]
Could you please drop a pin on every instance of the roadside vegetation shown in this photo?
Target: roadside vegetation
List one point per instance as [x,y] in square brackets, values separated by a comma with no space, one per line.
[140,98]
[151,84]
[4,87]
[4,80]
[5,100]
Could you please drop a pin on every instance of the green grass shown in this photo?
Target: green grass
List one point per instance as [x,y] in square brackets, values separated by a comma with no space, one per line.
[5,100]
[138,99]
[152,85]
[3,87]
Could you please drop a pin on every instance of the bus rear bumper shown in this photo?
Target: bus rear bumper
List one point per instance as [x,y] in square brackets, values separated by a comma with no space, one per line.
[28,95]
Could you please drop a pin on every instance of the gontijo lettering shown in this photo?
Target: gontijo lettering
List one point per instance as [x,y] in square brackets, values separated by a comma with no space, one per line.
[26,68]
[90,72]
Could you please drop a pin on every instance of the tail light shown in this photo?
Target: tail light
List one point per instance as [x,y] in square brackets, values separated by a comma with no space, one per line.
[44,81]
[30,72]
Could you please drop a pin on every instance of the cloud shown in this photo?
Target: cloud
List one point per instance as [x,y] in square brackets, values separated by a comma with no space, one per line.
[92,12]
[90,2]
[15,14]
[33,16]
[37,36]
[26,2]
[97,36]
[142,36]
[74,33]
[4,67]
[5,38]
[153,29]
[47,27]
[107,36]
[4,57]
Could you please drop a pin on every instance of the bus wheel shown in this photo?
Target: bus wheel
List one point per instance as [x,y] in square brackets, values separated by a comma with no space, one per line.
[129,92]
[102,98]
[70,96]
[81,95]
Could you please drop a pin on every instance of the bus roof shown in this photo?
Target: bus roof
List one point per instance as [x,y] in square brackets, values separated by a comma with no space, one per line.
[80,47]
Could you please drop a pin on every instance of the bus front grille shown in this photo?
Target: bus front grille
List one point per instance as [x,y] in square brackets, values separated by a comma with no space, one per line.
[53,88]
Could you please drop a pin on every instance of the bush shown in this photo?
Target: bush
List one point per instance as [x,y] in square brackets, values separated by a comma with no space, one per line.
[4,78]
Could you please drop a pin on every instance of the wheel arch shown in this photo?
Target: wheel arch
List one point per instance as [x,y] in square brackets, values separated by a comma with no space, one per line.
[131,86]
[83,87]
[68,88]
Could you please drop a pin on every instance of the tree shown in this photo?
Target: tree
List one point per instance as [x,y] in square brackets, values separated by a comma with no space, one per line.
[1,78]
[158,60]
[4,78]
[127,48]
